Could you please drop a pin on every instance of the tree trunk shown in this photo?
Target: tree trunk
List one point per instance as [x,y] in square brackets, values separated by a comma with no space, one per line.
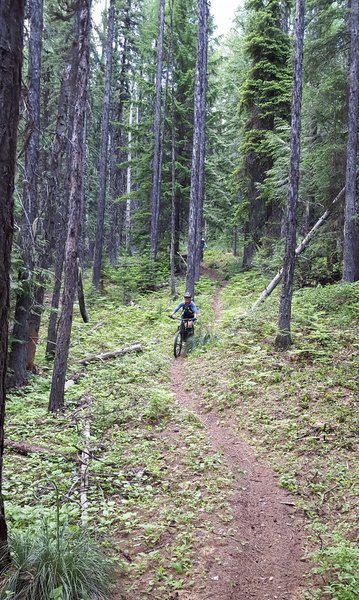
[104,150]
[61,215]
[24,301]
[283,339]
[235,241]
[351,227]
[56,402]
[116,230]
[52,187]
[11,41]
[201,175]
[155,196]
[197,168]
[129,183]
[173,159]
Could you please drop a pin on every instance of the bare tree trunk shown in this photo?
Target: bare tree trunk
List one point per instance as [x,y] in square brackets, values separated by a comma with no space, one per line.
[50,204]
[351,227]
[129,182]
[197,168]
[201,176]
[235,241]
[24,301]
[173,159]
[155,196]
[11,41]
[116,231]
[283,339]
[56,402]
[61,215]
[104,150]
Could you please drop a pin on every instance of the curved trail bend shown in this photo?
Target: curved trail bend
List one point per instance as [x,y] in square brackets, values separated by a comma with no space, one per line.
[259,555]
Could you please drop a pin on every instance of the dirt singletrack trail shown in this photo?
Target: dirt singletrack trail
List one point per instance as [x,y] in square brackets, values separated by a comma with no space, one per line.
[259,555]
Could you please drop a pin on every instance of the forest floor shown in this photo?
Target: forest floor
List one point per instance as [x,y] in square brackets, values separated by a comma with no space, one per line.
[225,474]
[261,557]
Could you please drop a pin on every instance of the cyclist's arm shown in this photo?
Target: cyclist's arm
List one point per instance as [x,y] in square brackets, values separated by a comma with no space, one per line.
[195,310]
[177,308]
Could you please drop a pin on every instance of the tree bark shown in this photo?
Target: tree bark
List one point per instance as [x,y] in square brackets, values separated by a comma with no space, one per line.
[56,402]
[173,159]
[116,230]
[197,167]
[25,299]
[283,339]
[61,216]
[81,294]
[351,226]
[201,176]
[129,181]
[155,195]
[11,41]
[104,151]
[53,184]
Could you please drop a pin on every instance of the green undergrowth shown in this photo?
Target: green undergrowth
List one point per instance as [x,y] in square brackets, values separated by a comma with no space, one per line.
[299,408]
[152,475]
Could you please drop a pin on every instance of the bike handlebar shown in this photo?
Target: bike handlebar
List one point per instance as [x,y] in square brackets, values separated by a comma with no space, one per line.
[180,318]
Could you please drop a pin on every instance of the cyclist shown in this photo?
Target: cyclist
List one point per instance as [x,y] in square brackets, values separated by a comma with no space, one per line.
[189,309]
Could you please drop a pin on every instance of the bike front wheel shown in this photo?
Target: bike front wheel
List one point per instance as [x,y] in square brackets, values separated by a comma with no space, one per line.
[177,345]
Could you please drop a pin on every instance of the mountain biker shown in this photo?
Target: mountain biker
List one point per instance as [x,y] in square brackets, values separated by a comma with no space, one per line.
[189,309]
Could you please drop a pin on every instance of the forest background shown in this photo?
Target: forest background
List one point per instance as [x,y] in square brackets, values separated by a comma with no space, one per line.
[114,114]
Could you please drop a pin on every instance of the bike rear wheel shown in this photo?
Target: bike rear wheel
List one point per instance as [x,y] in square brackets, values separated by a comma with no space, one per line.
[177,345]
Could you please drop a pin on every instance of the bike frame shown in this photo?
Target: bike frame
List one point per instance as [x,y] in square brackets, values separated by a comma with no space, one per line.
[182,334]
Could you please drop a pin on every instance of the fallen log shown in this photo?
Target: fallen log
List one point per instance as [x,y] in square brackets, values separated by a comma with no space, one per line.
[113,354]
[302,246]
[182,257]
[23,448]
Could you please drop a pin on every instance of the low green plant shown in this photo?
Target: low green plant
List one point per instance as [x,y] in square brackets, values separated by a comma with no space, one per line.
[56,566]
[339,565]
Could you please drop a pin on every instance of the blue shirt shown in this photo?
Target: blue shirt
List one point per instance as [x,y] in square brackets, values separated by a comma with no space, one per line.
[184,305]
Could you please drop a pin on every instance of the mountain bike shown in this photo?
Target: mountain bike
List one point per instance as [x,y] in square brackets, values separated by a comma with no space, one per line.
[184,332]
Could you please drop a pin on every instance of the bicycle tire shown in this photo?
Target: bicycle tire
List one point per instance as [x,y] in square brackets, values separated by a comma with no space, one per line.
[177,344]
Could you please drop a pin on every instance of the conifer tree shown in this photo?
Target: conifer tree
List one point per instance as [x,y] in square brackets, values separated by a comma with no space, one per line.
[11,41]
[265,96]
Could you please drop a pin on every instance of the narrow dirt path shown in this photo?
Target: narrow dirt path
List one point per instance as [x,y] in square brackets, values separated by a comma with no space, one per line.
[258,555]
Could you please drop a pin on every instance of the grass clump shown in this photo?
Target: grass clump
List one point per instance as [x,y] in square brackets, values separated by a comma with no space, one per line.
[64,566]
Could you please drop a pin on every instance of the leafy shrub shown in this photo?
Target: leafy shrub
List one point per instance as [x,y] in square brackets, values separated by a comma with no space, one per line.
[331,299]
[159,405]
[227,264]
[136,275]
[340,565]
[46,566]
